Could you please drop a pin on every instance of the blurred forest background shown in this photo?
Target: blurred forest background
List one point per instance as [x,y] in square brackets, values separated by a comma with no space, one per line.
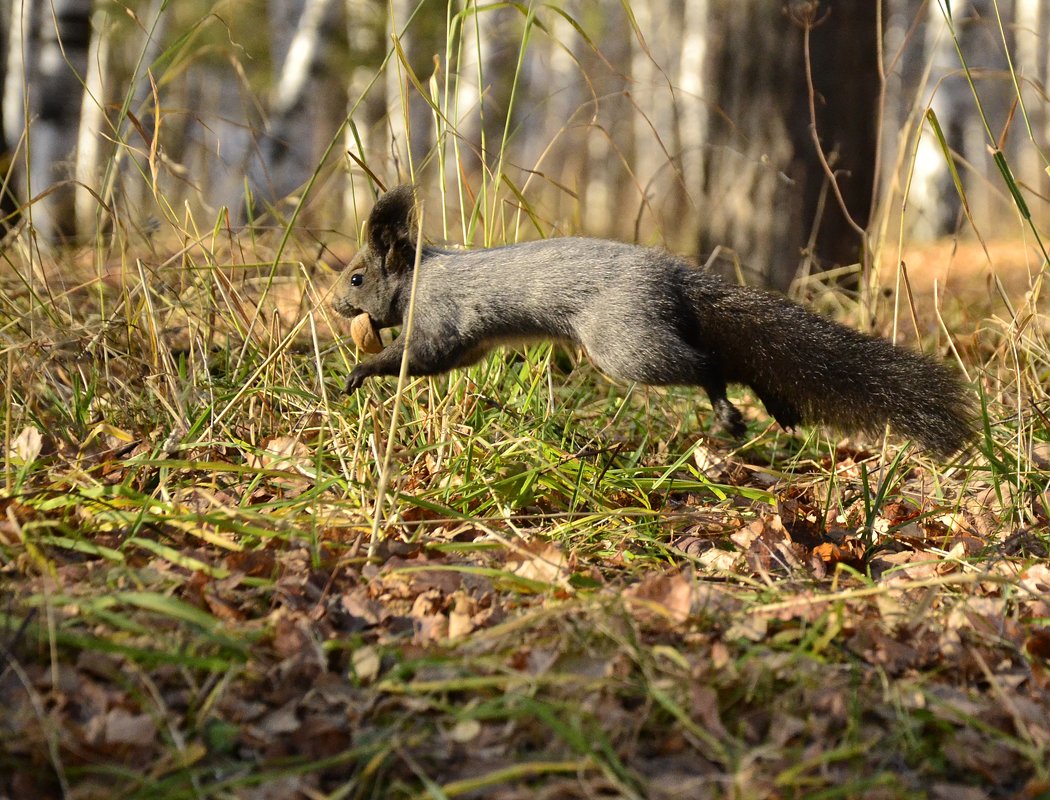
[694,123]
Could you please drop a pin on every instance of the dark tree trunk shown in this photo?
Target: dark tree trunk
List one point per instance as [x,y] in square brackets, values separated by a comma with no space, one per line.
[844,56]
[766,194]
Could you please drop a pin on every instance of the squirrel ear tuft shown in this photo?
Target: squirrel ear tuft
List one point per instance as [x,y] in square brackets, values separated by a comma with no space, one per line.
[392,221]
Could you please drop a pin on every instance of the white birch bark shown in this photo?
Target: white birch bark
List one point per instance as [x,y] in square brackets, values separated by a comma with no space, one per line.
[1044,79]
[23,22]
[464,107]
[551,142]
[131,162]
[655,60]
[303,52]
[1029,22]
[399,123]
[645,86]
[933,202]
[92,120]
[54,104]
[364,134]
[691,119]
[608,194]
[284,158]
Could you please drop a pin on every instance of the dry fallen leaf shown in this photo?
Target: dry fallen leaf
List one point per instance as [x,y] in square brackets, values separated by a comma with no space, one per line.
[539,561]
[26,446]
[282,452]
[465,730]
[123,727]
[661,597]
[461,618]
[1041,454]
[831,553]
[365,661]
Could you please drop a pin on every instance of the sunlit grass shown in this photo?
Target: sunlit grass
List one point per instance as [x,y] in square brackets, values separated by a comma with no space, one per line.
[575,585]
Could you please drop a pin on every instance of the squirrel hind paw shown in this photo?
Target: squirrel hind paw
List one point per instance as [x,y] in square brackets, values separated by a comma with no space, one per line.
[729,419]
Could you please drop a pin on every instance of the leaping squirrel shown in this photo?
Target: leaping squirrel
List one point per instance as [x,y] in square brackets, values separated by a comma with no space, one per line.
[643,315]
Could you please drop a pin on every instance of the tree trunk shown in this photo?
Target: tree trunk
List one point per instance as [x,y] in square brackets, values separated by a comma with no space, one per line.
[689,94]
[365,134]
[284,156]
[484,60]
[89,136]
[132,168]
[54,105]
[845,70]
[657,50]
[410,116]
[22,26]
[765,191]
[21,29]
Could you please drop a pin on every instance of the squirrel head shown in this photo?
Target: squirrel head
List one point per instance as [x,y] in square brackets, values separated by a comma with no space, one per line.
[381,272]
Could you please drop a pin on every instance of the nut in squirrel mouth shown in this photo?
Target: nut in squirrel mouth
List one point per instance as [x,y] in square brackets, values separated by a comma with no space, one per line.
[365,333]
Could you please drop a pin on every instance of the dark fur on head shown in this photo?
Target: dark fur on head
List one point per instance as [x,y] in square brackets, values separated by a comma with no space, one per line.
[392,224]
[374,281]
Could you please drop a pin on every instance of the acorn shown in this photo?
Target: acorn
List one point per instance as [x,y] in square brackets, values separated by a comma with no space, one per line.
[365,334]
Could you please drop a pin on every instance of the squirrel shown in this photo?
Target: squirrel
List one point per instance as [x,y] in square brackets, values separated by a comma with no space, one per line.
[644,315]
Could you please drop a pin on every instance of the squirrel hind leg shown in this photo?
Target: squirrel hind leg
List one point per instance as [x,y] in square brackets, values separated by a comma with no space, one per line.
[727,416]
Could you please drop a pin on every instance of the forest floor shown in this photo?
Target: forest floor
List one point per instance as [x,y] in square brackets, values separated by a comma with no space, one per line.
[571,592]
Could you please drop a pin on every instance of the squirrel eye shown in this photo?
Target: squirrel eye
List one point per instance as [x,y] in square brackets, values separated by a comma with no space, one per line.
[357,279]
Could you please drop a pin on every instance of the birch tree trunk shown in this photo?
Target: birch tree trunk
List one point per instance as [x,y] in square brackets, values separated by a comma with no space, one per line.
[410,117]
[285,153]
[751,202]
[465,144]
[23,24]
[365,134]
[846,84]
[491,44]
[657,50]
[21,30]
[132,169]
[92,120]
[54,105]
[982,45]
[691,114]
[1031,40]
[625,120]
[551,144]
[474,96]
[607,188]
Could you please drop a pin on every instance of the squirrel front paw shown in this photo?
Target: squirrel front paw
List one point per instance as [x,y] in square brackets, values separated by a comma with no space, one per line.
[355,380]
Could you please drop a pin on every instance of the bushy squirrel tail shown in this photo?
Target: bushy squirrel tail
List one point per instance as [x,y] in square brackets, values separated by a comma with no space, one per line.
[807,368]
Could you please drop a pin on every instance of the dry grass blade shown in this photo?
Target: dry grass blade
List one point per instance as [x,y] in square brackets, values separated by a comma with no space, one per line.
[220,577]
